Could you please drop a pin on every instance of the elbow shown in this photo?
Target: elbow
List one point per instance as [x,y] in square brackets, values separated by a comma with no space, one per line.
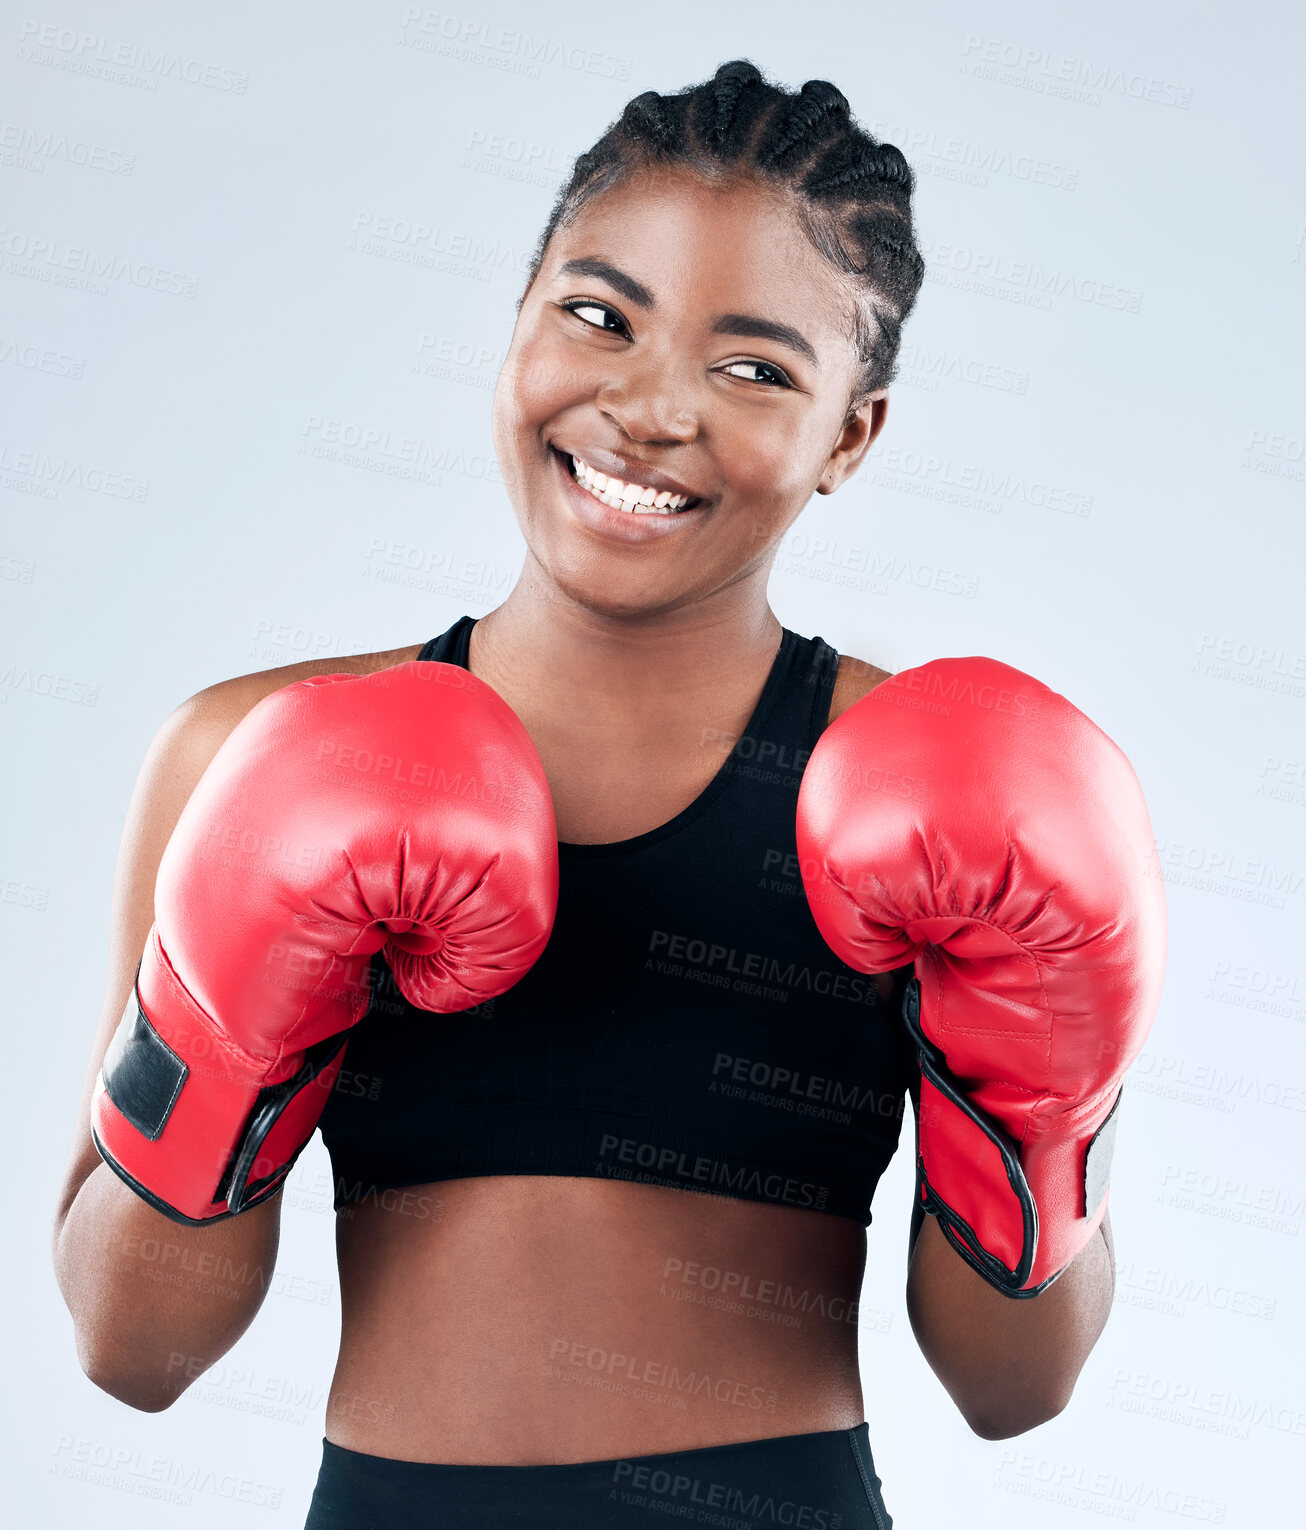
[1002,1420]
[147,1394]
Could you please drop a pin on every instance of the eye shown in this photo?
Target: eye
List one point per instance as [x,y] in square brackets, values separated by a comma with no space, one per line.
[597,315]
[774,376]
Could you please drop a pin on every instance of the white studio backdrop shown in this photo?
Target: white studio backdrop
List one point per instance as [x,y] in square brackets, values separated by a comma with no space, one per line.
[258,266]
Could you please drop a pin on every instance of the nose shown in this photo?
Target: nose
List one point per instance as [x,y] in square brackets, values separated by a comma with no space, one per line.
[649,403]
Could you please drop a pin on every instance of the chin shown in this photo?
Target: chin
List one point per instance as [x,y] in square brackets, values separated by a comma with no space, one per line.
[621,599]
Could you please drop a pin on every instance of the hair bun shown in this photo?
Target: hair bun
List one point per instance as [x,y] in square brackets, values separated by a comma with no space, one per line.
[648,114]
[828,97]
[739,71]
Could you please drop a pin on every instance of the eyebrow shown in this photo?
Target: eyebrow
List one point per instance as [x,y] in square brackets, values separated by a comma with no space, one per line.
[744,324]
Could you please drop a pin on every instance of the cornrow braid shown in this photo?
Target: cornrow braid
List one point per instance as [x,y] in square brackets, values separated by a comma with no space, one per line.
[852,192]
[731,108]
[646,117]
[806,117]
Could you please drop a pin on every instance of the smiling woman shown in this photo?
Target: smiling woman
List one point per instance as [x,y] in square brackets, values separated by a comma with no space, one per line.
[602,1197]
[763,218]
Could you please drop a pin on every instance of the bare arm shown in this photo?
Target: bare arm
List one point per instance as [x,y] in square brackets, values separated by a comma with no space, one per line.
[1008,1364]
[153,1302]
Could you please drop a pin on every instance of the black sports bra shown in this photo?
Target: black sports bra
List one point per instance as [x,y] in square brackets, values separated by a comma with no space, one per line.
[686,1025]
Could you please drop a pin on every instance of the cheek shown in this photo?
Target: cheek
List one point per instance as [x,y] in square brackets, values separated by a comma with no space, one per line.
[540,378]
[769,466]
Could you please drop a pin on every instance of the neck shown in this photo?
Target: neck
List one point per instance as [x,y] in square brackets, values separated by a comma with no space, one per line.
[541,647]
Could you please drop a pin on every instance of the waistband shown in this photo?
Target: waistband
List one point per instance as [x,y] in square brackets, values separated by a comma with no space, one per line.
[822,1481]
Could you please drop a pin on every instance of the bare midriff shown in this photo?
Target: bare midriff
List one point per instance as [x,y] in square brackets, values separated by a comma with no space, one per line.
[533,1320]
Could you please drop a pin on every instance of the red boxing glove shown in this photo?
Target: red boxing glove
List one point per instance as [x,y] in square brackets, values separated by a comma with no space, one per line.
[405,811]
[965,816]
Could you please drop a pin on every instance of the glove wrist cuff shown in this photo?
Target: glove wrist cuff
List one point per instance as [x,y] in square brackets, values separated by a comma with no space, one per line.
[1017,1213]
[187,1119]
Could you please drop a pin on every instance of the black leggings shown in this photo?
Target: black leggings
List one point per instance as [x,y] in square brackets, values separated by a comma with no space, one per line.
[813,1481]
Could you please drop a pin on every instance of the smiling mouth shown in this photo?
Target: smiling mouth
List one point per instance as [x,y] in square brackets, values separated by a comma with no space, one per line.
[633,498]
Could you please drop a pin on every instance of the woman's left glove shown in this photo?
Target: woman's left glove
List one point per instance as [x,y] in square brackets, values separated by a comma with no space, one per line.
[966,818]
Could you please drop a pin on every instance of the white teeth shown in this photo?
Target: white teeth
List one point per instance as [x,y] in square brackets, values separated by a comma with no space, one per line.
[634,498]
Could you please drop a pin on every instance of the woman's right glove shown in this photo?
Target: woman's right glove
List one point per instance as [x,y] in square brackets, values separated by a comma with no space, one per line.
[404,811]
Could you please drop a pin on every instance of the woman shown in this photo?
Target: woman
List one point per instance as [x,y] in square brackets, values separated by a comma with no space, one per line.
[541,1331]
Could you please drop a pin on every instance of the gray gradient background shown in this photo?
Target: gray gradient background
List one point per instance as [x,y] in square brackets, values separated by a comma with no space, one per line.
[1092,469]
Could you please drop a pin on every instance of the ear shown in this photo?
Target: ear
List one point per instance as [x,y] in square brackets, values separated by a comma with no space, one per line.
[860,428]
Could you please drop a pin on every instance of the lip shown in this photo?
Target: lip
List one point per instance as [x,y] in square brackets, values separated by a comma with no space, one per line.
[631,470]
[620,525]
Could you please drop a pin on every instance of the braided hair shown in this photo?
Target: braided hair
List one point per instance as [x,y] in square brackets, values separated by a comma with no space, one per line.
[852,193]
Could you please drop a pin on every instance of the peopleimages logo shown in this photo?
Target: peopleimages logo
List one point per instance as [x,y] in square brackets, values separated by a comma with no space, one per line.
[777,1079]
[739,1287]
[676,1493]
[481,41]
[620,1157]
[610,1363]
[1055,73]
[786,976]
[86,268]
[93,53]
[166,1478]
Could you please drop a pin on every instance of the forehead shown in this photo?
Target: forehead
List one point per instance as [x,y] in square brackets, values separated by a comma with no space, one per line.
[711,246]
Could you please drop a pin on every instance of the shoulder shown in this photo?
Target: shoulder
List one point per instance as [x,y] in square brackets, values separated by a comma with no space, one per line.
[855,679]
[236,696]
[200,724]
[190,736]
